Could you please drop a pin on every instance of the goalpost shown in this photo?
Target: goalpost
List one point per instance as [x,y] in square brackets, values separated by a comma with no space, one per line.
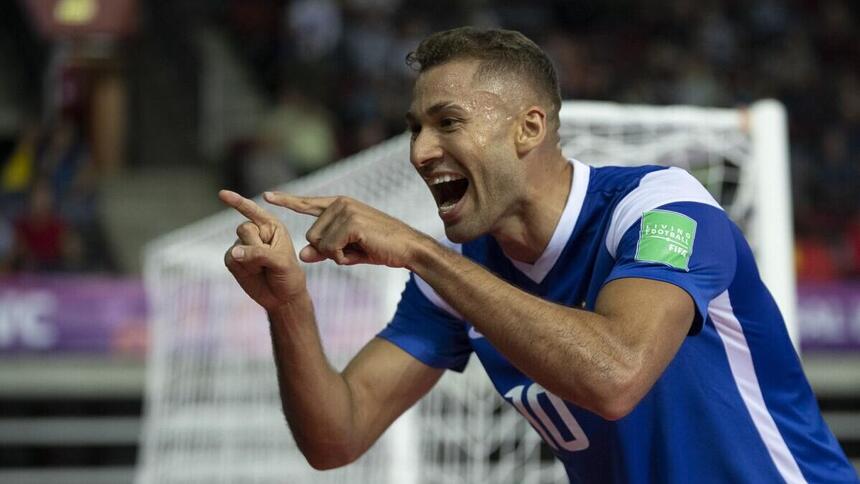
[212,411]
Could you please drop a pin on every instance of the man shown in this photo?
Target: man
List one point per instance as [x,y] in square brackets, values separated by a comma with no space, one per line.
[618,309]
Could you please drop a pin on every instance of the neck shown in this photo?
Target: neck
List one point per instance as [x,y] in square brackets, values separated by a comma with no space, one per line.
[525,234]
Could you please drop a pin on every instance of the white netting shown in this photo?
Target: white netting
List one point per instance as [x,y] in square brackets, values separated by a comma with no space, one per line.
[212,405]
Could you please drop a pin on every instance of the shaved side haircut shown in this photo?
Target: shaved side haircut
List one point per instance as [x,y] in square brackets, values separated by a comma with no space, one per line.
[501,52]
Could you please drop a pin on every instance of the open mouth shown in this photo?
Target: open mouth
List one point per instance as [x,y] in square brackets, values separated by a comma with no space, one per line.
[448,189]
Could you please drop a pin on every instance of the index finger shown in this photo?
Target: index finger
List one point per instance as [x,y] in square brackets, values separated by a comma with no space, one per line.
[307,205]
[246,207]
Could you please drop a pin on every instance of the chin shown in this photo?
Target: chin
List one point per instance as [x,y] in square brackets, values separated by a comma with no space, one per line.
[459,234]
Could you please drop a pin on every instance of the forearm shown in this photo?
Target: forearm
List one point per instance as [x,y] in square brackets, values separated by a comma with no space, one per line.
[316,399]
[570,352]
[334,416]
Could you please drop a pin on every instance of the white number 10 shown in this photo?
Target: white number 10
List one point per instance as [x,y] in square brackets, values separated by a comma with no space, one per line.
[579,441]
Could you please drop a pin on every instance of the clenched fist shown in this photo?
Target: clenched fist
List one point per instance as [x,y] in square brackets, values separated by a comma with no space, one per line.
[350,232]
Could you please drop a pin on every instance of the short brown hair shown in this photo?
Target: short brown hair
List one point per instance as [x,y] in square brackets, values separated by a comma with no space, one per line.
[500,52]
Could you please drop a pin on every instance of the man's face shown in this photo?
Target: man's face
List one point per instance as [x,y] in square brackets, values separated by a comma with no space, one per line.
[463,146]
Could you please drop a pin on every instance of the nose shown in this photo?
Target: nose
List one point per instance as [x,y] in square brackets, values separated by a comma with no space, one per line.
[424,149]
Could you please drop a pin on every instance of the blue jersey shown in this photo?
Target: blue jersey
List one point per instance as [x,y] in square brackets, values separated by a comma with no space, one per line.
[732,406]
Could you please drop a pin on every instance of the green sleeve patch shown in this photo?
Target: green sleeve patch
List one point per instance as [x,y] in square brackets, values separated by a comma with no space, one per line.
[666,238]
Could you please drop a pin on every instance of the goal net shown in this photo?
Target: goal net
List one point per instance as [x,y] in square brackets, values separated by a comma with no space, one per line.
[212,411]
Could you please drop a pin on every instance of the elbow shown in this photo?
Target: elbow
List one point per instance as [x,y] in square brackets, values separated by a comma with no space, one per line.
[618,398]
[325,463]
[328,456]
[616,408]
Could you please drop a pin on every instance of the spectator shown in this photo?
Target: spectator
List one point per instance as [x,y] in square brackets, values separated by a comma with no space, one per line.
[298,131]
[65,158]
[815,259]
[43,240]
[18,171]
[315,28]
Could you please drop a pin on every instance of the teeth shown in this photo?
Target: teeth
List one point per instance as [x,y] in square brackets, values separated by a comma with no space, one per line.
[447,206]
[443,179]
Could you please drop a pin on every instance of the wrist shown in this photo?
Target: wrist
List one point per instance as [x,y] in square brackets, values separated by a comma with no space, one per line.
[426,254]
[297,305]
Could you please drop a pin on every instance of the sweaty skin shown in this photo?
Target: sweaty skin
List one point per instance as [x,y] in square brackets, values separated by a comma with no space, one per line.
[604,361]
[516,191]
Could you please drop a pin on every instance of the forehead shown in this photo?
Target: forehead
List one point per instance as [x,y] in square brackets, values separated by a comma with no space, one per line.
[456,83]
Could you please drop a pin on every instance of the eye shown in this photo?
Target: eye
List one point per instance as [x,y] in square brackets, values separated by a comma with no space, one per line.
[414,129]
[449,123]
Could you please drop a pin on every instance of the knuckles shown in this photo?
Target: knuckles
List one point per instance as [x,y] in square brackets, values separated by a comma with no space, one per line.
[346,206]
[247,229]
[328,248]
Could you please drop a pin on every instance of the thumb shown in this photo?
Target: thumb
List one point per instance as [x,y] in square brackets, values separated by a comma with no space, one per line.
[253,257]
[310,254]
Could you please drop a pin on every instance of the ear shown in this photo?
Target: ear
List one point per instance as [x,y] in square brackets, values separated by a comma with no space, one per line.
[531,130]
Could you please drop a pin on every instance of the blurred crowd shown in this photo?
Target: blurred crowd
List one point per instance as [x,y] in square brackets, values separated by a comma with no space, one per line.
[334,76]
[49,211]
[344,59]
[49,220]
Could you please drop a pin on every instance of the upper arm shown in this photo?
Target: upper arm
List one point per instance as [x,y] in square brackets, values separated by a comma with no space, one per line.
[671,229]
[672,257]
[384,382]
[428,329]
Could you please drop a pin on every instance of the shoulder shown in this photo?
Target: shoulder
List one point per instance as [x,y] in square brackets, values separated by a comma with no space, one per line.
[654,189]
[619,179]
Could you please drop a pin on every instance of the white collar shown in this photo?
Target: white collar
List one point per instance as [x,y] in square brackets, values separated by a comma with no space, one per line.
[564,228]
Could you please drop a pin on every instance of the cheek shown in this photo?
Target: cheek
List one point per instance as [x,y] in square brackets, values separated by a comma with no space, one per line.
[481,141]
[496,182]
[489,136]
[508,179]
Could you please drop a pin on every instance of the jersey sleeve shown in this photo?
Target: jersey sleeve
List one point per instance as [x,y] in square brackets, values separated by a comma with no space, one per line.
[430,333]
[688,244]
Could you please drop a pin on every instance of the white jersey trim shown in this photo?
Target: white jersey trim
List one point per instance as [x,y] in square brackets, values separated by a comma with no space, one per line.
[564,229]
[655,189]
[537,271]
[431,293]
[740,362]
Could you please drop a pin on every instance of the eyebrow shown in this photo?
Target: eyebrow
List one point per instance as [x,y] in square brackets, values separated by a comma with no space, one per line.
[433,110]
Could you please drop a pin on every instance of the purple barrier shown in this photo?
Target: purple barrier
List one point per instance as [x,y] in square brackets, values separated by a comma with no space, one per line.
[72,314]
[829,315]
[103,315]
